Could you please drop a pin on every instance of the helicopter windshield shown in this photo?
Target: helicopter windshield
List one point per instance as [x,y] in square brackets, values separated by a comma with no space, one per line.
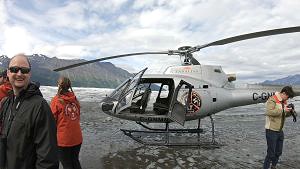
[125,91]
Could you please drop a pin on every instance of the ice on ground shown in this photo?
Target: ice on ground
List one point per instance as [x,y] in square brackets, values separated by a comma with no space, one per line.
[82,94]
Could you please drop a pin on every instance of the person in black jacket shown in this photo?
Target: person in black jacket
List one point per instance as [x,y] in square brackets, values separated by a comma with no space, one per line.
[28,133]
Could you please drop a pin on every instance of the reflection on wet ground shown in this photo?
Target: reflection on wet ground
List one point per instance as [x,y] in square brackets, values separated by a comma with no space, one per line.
[105,146]
[160,157]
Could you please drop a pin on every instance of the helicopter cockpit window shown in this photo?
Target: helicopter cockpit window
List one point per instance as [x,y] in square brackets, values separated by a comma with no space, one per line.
[118,91]
[127,90]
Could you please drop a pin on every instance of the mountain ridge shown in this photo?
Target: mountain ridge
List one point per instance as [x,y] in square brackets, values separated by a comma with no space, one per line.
[99,74]
[289,80]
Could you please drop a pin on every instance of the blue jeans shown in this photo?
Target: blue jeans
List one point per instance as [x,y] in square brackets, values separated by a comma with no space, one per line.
[275,144]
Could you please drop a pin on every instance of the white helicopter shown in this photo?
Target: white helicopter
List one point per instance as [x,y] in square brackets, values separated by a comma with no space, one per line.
[183,93]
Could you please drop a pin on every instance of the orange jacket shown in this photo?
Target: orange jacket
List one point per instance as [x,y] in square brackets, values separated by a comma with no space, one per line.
[4,89]
[66,111]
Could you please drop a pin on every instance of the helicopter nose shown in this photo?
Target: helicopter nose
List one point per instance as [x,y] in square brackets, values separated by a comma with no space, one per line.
[107,106]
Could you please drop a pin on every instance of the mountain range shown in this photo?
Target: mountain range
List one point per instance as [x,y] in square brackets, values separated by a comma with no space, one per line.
[99,74]
[290,80]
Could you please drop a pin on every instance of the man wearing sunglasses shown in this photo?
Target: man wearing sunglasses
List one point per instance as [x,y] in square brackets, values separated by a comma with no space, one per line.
[29,131]
[277,111]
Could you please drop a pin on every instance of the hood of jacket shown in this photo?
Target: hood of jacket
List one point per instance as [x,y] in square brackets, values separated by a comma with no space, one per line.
[32,89]
[68,97]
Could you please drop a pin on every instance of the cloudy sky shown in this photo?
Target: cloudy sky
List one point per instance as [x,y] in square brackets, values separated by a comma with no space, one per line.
[90,29]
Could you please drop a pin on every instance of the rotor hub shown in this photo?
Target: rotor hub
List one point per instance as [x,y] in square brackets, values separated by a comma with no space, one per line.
[186,53]
[184,48]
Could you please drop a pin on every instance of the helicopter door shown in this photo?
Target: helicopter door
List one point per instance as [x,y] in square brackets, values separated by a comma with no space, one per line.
[126,95]
[177,109]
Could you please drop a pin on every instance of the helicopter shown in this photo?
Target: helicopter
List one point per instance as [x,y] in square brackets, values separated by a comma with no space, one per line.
[190,91]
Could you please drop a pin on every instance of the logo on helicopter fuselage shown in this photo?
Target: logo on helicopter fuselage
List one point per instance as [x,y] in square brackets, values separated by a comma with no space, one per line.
[262,95]
[195,102]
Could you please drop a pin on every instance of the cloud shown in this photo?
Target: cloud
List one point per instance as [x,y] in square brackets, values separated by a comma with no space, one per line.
[17,40]
[70,16]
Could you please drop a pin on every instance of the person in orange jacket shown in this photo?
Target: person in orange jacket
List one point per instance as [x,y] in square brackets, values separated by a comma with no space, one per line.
[3,76]
[66,110]
[5,89]
[5,86]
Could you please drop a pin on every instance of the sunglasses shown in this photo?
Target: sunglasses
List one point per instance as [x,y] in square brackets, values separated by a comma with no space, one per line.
[15,69]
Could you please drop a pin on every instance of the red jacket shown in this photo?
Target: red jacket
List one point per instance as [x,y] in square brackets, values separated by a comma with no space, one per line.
[66,111]
[4,89]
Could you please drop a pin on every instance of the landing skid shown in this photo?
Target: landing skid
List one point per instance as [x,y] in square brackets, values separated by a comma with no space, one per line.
[166,133]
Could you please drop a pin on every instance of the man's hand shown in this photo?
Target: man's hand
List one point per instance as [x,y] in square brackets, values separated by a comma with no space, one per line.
[287,109]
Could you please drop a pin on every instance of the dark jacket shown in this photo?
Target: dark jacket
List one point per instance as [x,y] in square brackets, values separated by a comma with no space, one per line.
[31,139]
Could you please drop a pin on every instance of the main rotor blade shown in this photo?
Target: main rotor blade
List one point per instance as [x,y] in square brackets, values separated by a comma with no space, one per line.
[250,36]
[197,48]
[110,57]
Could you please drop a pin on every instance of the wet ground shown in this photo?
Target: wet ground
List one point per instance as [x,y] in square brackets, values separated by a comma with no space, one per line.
[241,135]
